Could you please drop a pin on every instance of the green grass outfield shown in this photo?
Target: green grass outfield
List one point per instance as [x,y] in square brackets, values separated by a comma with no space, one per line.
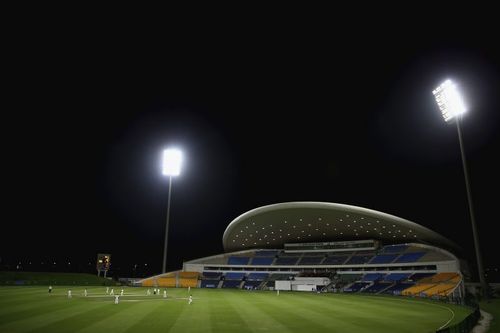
[32,309]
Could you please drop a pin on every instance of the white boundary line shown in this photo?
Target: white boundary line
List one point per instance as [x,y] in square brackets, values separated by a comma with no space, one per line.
[452,315]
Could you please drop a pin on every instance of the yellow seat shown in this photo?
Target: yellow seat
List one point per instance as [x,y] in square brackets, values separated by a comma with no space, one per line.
[417,289]
[167,282]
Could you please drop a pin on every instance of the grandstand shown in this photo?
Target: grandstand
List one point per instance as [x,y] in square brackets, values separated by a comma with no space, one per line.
[327,247]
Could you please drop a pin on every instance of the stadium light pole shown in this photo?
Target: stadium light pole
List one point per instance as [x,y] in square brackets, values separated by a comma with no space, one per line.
[172,160]
[451,104]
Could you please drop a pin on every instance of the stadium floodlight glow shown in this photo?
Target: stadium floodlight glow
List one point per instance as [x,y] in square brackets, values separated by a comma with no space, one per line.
[449,100]
[172,160]
[452,106]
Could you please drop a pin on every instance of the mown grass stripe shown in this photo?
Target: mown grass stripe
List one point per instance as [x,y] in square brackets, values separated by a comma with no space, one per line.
[122,318]
[158,317]
[285,306]
[249,310]
[49,314]
[214,311]
[194,318]
[40,310]
[80,320]
[224,317]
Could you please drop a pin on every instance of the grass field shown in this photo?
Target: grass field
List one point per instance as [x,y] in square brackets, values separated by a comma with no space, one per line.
[32,309]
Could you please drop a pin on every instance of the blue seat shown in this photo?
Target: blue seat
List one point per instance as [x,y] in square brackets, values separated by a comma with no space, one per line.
[234,276]
[262,260]
[238,260]
[383,259]
[410,257]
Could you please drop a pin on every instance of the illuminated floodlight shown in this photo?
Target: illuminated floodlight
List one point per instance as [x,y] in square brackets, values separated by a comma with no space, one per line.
[172,160]
[451,105]
[449,100]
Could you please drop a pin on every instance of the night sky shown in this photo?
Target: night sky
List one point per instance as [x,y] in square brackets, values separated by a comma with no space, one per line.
[262,117]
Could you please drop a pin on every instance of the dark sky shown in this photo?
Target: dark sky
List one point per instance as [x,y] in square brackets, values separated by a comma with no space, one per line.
[262,116]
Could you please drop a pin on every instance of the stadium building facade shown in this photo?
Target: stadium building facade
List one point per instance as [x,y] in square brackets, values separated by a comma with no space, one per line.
[319,246]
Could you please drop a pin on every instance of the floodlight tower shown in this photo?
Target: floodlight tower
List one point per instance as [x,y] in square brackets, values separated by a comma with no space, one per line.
[451,104]
[172,160]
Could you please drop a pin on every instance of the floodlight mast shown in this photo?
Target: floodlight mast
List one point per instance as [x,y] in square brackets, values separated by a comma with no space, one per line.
[172,160]
[452,107]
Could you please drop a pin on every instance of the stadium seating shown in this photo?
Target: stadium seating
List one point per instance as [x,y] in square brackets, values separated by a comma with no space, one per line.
[383,259]
[349,277]
[286,261]
[355,287]
[188,279]
[410,257]
[310,260]
[335,260]
[262,260]
[440,284]
[397,288]
[417,289]
[359,259]
[238,260]
[257,276]
[212,275]
[395,277]
[373,277]
[441,289]
[234,276]
[252,284]
[418,276]
[254,280]
[209,283]
[169,281]
[440,277]
[231,284]
[391,270]
[377,287]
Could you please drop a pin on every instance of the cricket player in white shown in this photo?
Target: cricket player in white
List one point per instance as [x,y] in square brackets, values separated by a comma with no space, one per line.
[164,294]
[148,292]
[85,292]
[117,299]
[107,290]
[112,291]
[190,299]
[121,292]
[69,293]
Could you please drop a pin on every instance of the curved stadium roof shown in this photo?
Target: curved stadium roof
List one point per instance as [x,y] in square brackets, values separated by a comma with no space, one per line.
[301,222]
